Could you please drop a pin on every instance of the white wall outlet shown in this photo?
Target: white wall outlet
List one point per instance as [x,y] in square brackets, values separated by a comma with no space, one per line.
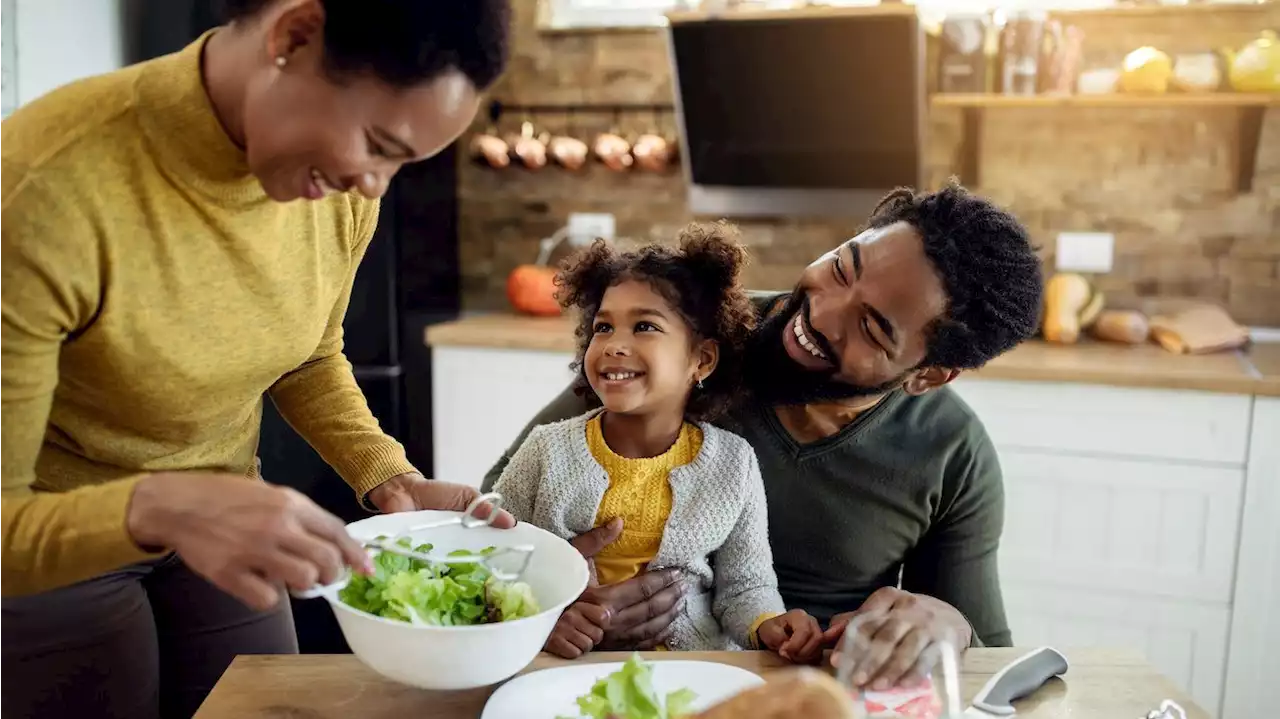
[1085,251]
[586,227]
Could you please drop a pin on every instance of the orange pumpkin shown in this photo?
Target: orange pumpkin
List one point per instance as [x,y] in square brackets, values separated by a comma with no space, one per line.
[531,289]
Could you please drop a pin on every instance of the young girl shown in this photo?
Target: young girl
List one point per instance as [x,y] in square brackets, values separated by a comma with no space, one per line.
[660,345]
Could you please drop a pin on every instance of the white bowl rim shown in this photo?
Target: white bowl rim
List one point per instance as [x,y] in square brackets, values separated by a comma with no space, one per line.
[337,603]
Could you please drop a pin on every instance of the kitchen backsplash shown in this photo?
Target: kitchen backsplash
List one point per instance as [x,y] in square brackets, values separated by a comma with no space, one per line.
[1162,180]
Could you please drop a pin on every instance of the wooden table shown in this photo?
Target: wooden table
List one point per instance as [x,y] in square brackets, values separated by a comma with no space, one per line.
[1101,684]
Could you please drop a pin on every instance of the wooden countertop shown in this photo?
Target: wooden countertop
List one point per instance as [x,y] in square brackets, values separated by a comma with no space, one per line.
[1255,370]
[503,331]
[1265,358]
[1100,683]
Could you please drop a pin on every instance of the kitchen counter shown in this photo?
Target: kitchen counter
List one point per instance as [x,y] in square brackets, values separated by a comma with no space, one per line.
[1265,359]
[1254,371]
[1100,683]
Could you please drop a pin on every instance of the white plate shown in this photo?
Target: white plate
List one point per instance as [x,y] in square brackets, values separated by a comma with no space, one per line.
[552,693]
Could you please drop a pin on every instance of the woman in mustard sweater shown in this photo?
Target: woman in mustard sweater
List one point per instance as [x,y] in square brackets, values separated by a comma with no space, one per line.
[179,238]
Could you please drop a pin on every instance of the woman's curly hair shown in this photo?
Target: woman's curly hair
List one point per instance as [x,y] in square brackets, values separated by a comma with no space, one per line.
[701,280]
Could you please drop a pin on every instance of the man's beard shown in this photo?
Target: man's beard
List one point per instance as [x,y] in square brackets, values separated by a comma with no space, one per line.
[772,377]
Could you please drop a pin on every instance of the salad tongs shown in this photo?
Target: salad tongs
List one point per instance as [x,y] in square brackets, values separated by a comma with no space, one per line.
[514,559]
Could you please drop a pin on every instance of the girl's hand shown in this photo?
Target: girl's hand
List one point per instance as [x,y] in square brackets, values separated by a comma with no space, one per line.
[794,635]
[578,630]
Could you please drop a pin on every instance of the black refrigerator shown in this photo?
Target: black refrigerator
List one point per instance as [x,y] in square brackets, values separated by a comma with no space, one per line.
[408,280]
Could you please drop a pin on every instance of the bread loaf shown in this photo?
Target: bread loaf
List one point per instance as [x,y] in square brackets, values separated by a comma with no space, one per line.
[802,694]
[1125,326]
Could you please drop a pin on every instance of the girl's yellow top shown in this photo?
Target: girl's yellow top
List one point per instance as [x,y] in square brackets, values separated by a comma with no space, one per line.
[640,494]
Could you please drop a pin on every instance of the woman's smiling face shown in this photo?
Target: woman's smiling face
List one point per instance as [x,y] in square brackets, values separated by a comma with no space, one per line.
[308,133]
[642,357]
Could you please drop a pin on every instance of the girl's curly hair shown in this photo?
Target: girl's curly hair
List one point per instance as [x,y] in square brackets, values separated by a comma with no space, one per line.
[701,280]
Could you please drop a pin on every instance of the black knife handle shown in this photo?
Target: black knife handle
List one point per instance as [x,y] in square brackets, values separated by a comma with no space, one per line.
[1020,678]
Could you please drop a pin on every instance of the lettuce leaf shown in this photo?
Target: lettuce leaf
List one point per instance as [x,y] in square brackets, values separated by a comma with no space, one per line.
[437,594]
[629,694]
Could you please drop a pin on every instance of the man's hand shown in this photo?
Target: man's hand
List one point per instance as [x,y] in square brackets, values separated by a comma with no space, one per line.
[794,635]
[411,492]
[641,609]
[894,630]
[578,630]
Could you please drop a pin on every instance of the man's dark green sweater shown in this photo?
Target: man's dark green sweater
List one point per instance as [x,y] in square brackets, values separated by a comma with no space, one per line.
[912,488]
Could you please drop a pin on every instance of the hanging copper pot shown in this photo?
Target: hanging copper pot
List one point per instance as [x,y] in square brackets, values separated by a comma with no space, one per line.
[531,149]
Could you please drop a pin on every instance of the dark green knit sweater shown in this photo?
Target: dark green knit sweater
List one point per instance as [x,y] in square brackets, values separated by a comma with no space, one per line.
[911,488]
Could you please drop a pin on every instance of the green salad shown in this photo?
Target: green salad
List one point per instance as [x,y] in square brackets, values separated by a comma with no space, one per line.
[629,694]
[437,594]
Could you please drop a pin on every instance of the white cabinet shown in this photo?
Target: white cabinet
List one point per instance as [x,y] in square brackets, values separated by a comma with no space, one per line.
[482,398]
[1148,528]
[1122,518]
[1114,421]
[1255,622]
[1138,518]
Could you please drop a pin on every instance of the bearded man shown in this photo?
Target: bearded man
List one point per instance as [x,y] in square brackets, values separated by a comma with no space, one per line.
[884,492]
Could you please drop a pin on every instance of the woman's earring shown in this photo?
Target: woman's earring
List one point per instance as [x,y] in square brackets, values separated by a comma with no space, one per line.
[281,61]
[700,383]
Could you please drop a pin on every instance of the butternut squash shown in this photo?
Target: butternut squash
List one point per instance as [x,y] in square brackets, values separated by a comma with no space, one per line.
[1070,305]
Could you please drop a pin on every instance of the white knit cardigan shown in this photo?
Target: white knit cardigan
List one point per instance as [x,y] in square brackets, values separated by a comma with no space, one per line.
[717,532]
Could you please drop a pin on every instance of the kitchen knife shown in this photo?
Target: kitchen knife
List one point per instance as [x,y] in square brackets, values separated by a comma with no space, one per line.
[1016,680]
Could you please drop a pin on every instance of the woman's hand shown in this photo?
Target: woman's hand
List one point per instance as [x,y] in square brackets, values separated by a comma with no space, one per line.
[411,492]
[795,635]
[246,537]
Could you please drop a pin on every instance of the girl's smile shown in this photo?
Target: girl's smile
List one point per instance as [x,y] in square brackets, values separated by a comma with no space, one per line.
[613,377]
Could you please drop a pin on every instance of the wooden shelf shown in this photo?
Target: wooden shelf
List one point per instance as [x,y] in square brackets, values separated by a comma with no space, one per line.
[1153,11]
[1180,100]
[806,12]
[1249,108]
[902,8]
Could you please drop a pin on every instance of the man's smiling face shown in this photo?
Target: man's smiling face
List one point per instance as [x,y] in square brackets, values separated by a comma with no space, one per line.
[856,325]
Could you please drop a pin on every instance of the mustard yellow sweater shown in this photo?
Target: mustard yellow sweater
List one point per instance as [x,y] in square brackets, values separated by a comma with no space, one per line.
[640,493]
[152,295]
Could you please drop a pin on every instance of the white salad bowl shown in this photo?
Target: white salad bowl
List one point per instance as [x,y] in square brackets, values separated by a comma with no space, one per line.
[466,657]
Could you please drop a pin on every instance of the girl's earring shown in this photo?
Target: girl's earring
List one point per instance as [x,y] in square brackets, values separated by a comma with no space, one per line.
[281,61]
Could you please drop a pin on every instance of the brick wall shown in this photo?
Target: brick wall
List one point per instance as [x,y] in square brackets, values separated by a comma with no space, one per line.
[1162,180]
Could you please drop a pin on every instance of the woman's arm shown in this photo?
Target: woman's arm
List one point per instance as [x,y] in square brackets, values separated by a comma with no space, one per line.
[323,403]
[746,588]
[51,279]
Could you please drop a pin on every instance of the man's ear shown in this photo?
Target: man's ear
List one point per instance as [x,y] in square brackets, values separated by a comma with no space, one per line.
[708,356]
[928,378]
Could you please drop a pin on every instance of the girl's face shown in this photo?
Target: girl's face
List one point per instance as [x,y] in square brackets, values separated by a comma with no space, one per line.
[643,357]
[307,135]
